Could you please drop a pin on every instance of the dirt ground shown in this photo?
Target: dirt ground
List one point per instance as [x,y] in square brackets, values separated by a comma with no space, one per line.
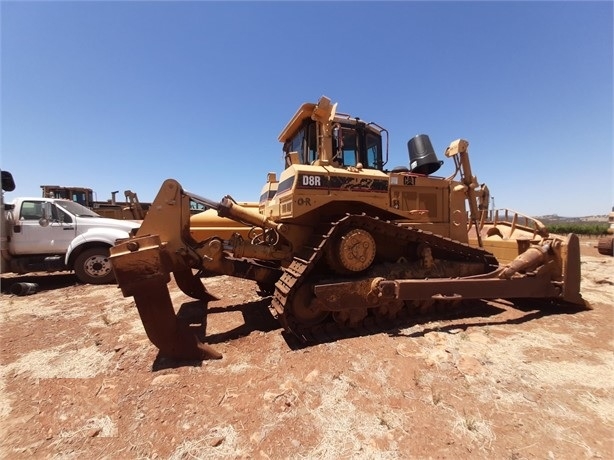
[79,379]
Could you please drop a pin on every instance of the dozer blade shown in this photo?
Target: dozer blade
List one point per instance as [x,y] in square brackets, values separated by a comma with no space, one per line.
[571,272]
[141,273]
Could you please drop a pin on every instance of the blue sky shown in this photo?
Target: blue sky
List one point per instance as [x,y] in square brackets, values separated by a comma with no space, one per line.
[123,95]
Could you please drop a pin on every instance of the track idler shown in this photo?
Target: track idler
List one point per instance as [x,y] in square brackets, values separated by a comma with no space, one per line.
[142,271]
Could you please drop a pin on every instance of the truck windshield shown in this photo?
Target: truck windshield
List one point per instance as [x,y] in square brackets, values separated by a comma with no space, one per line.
[76,209]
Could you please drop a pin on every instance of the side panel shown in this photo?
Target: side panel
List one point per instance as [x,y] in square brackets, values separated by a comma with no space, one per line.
[5,218]
[426,202]
[303,189]
[30,237]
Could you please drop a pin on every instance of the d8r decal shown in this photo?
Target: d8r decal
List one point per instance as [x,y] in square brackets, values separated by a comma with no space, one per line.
[312,181]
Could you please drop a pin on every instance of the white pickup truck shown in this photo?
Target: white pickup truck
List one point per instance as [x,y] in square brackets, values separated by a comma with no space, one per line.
[49,234]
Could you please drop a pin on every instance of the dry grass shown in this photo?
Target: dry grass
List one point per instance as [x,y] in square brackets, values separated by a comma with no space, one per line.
[474,428]
[66,361]
[219,442]
[603,407]
[71,360]
[352,431]
[103,427]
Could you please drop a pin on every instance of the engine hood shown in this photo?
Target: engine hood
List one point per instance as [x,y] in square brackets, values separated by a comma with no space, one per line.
[105,222]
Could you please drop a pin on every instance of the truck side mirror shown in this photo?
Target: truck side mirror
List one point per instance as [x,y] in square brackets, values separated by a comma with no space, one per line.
[44,220]
[8,184]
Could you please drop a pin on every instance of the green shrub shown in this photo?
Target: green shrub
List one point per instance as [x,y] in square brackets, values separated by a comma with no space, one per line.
[579,228]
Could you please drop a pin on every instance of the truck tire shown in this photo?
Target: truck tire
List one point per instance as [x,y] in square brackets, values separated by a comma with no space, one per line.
[93,266]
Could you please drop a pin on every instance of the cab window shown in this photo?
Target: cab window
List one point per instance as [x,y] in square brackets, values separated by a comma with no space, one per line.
[31,210]
[296,144]
[305,143]
[79,197]
[374,154]
[57,215]
[348,147]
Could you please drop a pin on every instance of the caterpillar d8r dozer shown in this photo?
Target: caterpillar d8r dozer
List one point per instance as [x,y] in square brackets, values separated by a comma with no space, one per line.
[339,242]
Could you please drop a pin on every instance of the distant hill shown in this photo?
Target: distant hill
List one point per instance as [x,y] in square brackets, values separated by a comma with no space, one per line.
[556,219]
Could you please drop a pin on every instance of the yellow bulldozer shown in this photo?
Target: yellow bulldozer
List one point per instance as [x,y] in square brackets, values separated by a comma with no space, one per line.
[338,241]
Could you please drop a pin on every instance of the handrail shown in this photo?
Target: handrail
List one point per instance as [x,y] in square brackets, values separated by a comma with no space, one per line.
[512,219]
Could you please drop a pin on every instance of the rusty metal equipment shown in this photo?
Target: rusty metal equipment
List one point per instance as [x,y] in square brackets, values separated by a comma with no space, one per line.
[130,209]
[605,244]
[338,240]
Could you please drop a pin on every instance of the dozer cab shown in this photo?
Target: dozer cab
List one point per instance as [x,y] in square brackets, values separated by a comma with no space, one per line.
[339,241]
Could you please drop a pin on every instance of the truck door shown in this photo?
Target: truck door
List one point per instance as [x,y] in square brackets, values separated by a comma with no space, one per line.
[30,237]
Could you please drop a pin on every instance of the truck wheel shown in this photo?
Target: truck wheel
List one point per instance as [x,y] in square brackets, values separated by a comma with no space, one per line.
[93,266]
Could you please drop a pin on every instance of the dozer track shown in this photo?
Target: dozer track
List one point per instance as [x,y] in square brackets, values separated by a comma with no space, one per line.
[302,270]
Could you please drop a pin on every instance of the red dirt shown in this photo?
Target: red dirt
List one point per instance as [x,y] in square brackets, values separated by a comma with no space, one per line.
[79,379]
